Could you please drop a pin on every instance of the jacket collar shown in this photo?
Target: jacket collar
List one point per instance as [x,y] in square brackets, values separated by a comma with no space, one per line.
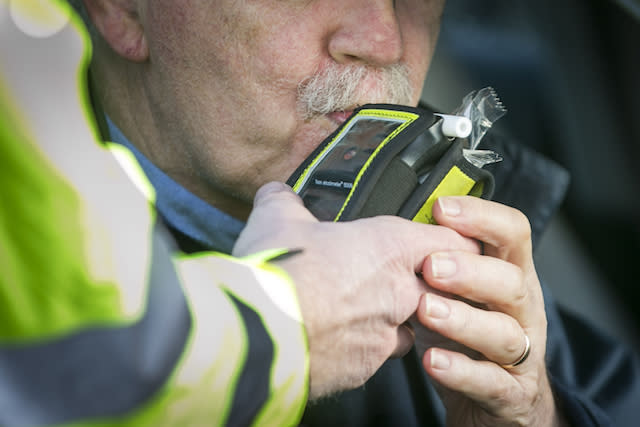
[200,225]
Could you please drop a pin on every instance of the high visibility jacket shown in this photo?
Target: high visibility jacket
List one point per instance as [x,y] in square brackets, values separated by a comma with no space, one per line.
[102,321]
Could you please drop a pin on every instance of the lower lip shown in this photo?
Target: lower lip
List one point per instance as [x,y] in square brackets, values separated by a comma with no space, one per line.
[340,116]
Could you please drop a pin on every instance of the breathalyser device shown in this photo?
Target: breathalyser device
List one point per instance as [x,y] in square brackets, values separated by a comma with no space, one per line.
[397,160]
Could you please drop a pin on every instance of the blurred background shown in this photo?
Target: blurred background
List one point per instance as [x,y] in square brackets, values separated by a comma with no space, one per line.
[568,72]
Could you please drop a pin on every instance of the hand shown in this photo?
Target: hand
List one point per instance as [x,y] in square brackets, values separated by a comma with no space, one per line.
[356,281]
[482,307]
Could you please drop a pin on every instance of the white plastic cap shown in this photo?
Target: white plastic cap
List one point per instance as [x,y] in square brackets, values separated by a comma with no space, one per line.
[455,126]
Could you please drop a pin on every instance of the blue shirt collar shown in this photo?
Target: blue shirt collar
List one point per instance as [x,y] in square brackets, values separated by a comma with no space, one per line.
[182,209]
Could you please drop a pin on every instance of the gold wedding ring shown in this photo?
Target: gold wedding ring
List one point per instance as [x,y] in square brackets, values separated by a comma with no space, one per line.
[523,356]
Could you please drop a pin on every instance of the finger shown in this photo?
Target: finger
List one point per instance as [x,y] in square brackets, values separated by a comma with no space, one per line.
[505,231]
[402,301]
[491,281]
[276,211]
[415,240]
[481,381]
[496,335]
[406,338]
[280,201]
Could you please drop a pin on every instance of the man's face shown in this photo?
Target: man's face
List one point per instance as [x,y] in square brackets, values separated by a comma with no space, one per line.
[231,86]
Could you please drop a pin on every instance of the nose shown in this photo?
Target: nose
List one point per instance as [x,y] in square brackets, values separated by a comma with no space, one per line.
[368,32]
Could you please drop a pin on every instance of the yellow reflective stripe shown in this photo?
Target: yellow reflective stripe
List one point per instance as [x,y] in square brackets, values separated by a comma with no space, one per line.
[274,281]
[267,290]
[289,378]
[455,183]
[134,171]
[92,265]
[202,387]
[131,266]
[97,256]
[262,258]
[215,355]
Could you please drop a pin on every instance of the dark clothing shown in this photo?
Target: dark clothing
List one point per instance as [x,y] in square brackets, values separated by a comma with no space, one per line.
[596,380]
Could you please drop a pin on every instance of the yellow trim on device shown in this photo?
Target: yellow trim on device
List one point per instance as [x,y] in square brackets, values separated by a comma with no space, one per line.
[455,183]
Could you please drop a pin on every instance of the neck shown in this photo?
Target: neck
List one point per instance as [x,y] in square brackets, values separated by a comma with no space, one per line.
[121,94]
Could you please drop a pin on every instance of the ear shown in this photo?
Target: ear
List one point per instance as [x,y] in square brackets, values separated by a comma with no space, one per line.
[118,22]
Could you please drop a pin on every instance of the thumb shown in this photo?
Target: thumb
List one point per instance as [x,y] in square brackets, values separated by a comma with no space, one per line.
[277,200]
[274,190]
[276,209]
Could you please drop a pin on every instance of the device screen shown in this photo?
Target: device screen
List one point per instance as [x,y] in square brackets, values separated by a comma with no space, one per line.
[332,176]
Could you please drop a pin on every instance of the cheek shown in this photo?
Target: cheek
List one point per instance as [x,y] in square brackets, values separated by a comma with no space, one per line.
[286,40]
[285,57]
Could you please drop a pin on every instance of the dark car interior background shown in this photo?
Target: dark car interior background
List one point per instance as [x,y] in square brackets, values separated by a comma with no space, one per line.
[569,74]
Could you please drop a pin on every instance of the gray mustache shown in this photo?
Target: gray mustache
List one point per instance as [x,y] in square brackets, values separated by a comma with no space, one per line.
[340,88]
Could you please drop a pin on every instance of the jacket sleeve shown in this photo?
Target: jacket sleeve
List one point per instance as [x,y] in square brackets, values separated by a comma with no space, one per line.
[596,379]
[102,322]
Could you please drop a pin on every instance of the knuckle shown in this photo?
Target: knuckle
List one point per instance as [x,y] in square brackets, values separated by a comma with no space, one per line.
[391,224]
[450,235]
[522,225]
[518,291]
[385,237]
[462,322]
[501,394]
[515,340]
[398,308]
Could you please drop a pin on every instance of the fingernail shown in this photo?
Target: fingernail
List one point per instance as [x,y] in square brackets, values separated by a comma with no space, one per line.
[449,206]
[442,265]
[436,308]
[439,360]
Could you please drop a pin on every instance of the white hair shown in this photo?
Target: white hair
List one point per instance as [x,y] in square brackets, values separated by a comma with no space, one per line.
[339,88]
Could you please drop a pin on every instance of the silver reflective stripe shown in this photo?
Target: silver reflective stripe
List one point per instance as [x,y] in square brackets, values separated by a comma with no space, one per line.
[262,289]
[99,372]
